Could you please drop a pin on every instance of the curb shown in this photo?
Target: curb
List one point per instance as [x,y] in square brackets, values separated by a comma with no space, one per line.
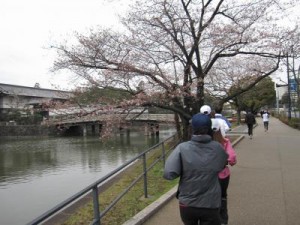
[238,140]
[146,213]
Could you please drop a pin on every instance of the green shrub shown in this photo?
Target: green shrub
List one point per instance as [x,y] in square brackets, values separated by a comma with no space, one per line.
[293,122]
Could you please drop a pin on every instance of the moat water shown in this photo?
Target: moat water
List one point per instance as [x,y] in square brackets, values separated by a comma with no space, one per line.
[37,173]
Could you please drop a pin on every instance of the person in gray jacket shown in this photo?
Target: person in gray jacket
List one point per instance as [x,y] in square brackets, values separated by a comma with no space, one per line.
[197,162]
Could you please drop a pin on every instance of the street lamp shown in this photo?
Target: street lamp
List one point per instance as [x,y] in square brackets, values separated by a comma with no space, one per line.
[289,97]
[277,98]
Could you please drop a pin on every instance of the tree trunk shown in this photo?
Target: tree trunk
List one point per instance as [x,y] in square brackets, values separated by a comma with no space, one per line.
[186,129]
[238,116]
[178,126]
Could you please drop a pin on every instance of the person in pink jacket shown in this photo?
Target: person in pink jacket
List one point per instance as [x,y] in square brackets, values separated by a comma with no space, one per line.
[224,175]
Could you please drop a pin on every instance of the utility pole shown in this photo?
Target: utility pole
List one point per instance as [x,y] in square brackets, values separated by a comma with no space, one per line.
[277,99]
[289,87]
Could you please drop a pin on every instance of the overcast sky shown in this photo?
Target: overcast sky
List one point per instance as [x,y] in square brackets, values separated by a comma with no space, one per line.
[28,27]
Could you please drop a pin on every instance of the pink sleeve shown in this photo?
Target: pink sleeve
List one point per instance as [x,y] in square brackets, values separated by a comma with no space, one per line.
[230,151]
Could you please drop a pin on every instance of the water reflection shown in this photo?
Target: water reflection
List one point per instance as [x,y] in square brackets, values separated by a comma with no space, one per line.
[21,157]
[38,173]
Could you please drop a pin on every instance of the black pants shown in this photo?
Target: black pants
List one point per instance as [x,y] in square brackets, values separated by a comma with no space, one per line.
[250,129]
[223,210]
[199,216]
[266,125]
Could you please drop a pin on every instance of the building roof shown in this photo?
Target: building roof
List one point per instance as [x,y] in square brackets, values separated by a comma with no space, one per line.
[9,89]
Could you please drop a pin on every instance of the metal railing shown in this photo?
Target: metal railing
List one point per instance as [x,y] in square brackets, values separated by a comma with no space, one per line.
[94,188]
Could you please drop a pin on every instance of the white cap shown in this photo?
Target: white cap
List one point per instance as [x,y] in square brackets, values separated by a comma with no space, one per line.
[215,125]
[205,109]
[218,124]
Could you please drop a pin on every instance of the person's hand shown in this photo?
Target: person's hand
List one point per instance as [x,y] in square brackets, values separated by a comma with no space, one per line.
[232,163]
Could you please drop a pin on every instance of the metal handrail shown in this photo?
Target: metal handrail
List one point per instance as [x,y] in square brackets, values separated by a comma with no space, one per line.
[94,186]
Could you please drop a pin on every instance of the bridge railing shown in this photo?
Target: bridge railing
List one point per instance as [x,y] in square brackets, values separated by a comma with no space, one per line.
[67,119]
[165,146]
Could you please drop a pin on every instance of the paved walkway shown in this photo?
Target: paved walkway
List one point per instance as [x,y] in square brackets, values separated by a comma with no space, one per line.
[264,187]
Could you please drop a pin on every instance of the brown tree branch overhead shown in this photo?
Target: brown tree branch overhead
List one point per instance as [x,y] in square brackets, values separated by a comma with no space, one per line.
[177,47]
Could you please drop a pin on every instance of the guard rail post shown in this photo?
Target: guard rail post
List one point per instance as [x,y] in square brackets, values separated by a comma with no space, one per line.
[163,153]
[145,176]
[96,206]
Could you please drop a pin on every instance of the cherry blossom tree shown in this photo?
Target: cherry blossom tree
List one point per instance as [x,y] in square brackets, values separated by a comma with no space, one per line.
[171,52]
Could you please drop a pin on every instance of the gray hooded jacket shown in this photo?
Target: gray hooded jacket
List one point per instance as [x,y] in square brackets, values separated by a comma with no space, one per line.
[197,162]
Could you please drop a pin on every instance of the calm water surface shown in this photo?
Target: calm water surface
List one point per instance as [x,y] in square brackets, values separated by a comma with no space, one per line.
[38,173]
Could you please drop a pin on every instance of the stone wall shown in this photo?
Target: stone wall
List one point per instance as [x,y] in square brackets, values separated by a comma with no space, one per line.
[11,129]
[27,130]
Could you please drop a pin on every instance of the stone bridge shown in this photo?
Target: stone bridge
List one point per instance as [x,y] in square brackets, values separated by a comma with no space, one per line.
[160,118]
[93,123]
